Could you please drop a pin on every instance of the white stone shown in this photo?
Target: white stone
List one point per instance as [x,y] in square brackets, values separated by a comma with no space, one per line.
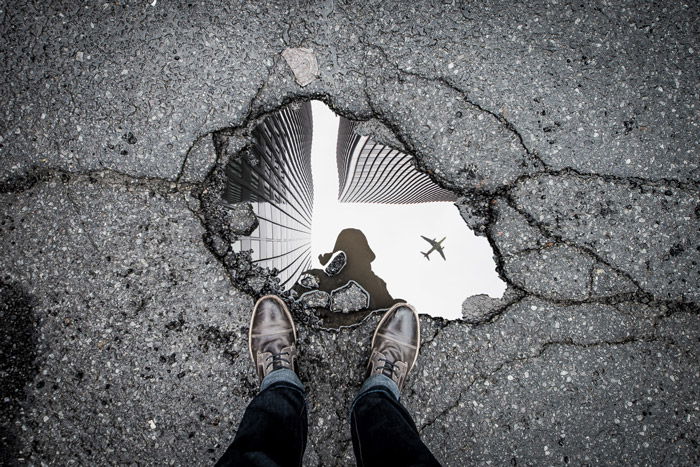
[303,63]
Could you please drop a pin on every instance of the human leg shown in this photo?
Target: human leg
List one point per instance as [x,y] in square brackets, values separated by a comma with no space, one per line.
[274,426]
[383,431]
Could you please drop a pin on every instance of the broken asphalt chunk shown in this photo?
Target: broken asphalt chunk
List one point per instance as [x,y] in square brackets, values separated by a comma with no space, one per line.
[308,281]
[348,298]
[336,263]
[315,299]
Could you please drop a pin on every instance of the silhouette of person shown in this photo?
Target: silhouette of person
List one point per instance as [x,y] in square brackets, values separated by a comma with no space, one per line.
[358,268]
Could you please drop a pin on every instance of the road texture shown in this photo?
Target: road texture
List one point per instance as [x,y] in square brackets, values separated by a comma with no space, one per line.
[570,131]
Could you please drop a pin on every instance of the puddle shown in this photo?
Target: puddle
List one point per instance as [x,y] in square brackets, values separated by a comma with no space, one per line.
[320,190]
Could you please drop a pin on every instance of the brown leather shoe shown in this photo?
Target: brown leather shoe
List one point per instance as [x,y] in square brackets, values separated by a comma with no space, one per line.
[272,337]
[395,343]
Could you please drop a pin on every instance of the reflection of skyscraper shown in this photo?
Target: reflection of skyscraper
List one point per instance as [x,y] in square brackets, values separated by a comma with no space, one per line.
[280,189]
[277,181]
[369,172]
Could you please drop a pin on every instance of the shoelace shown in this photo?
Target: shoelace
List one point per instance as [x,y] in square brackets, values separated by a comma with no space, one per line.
[388,366]
[277,359]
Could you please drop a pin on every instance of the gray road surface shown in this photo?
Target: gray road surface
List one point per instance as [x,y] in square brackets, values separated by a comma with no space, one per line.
[570,130]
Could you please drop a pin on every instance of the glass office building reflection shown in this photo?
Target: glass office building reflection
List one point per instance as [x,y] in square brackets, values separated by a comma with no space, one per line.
[369,172]
[280,189]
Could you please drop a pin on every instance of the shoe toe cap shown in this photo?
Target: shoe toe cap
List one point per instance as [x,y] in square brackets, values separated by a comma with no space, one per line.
[402,325]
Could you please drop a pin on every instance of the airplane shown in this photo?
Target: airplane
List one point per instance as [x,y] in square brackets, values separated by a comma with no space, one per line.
[435,246]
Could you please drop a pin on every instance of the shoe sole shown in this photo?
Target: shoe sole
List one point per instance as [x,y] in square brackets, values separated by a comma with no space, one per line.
[252,315]
[384,318]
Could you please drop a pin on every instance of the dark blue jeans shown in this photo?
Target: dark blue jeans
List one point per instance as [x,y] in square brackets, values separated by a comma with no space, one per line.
[274,427]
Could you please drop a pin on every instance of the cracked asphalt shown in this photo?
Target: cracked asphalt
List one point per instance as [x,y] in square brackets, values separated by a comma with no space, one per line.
[569,130]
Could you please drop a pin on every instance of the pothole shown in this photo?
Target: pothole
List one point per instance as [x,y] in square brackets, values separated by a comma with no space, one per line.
[354,219]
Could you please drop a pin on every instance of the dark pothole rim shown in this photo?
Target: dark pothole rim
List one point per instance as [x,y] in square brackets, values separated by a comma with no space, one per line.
[239,266]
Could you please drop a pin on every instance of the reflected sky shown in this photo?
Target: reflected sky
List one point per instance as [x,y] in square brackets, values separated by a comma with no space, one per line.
[436,286]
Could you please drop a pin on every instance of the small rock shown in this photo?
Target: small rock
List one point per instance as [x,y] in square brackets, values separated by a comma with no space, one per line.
[239,218]
[256,283]
[130,138]
[308,281]
[336,263]
[315,299]
[218,245]
[350,297]
[303,63]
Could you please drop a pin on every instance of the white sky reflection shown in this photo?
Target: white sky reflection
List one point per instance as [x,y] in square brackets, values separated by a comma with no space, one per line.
[435,287]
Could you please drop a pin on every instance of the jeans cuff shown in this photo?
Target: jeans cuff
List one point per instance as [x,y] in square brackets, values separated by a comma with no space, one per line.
[282,375]
[378,382]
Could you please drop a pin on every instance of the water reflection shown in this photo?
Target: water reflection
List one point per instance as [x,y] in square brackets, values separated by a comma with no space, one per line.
[275,177]
[359,269]
[358,192]
[369,172]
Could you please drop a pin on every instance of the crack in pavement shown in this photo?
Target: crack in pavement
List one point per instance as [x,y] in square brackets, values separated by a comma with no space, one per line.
[482,377]
[185,159]
[161,185]
[512,202]
[168,186]
[24,182]
[19,184]
[545,168]
[512,128]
